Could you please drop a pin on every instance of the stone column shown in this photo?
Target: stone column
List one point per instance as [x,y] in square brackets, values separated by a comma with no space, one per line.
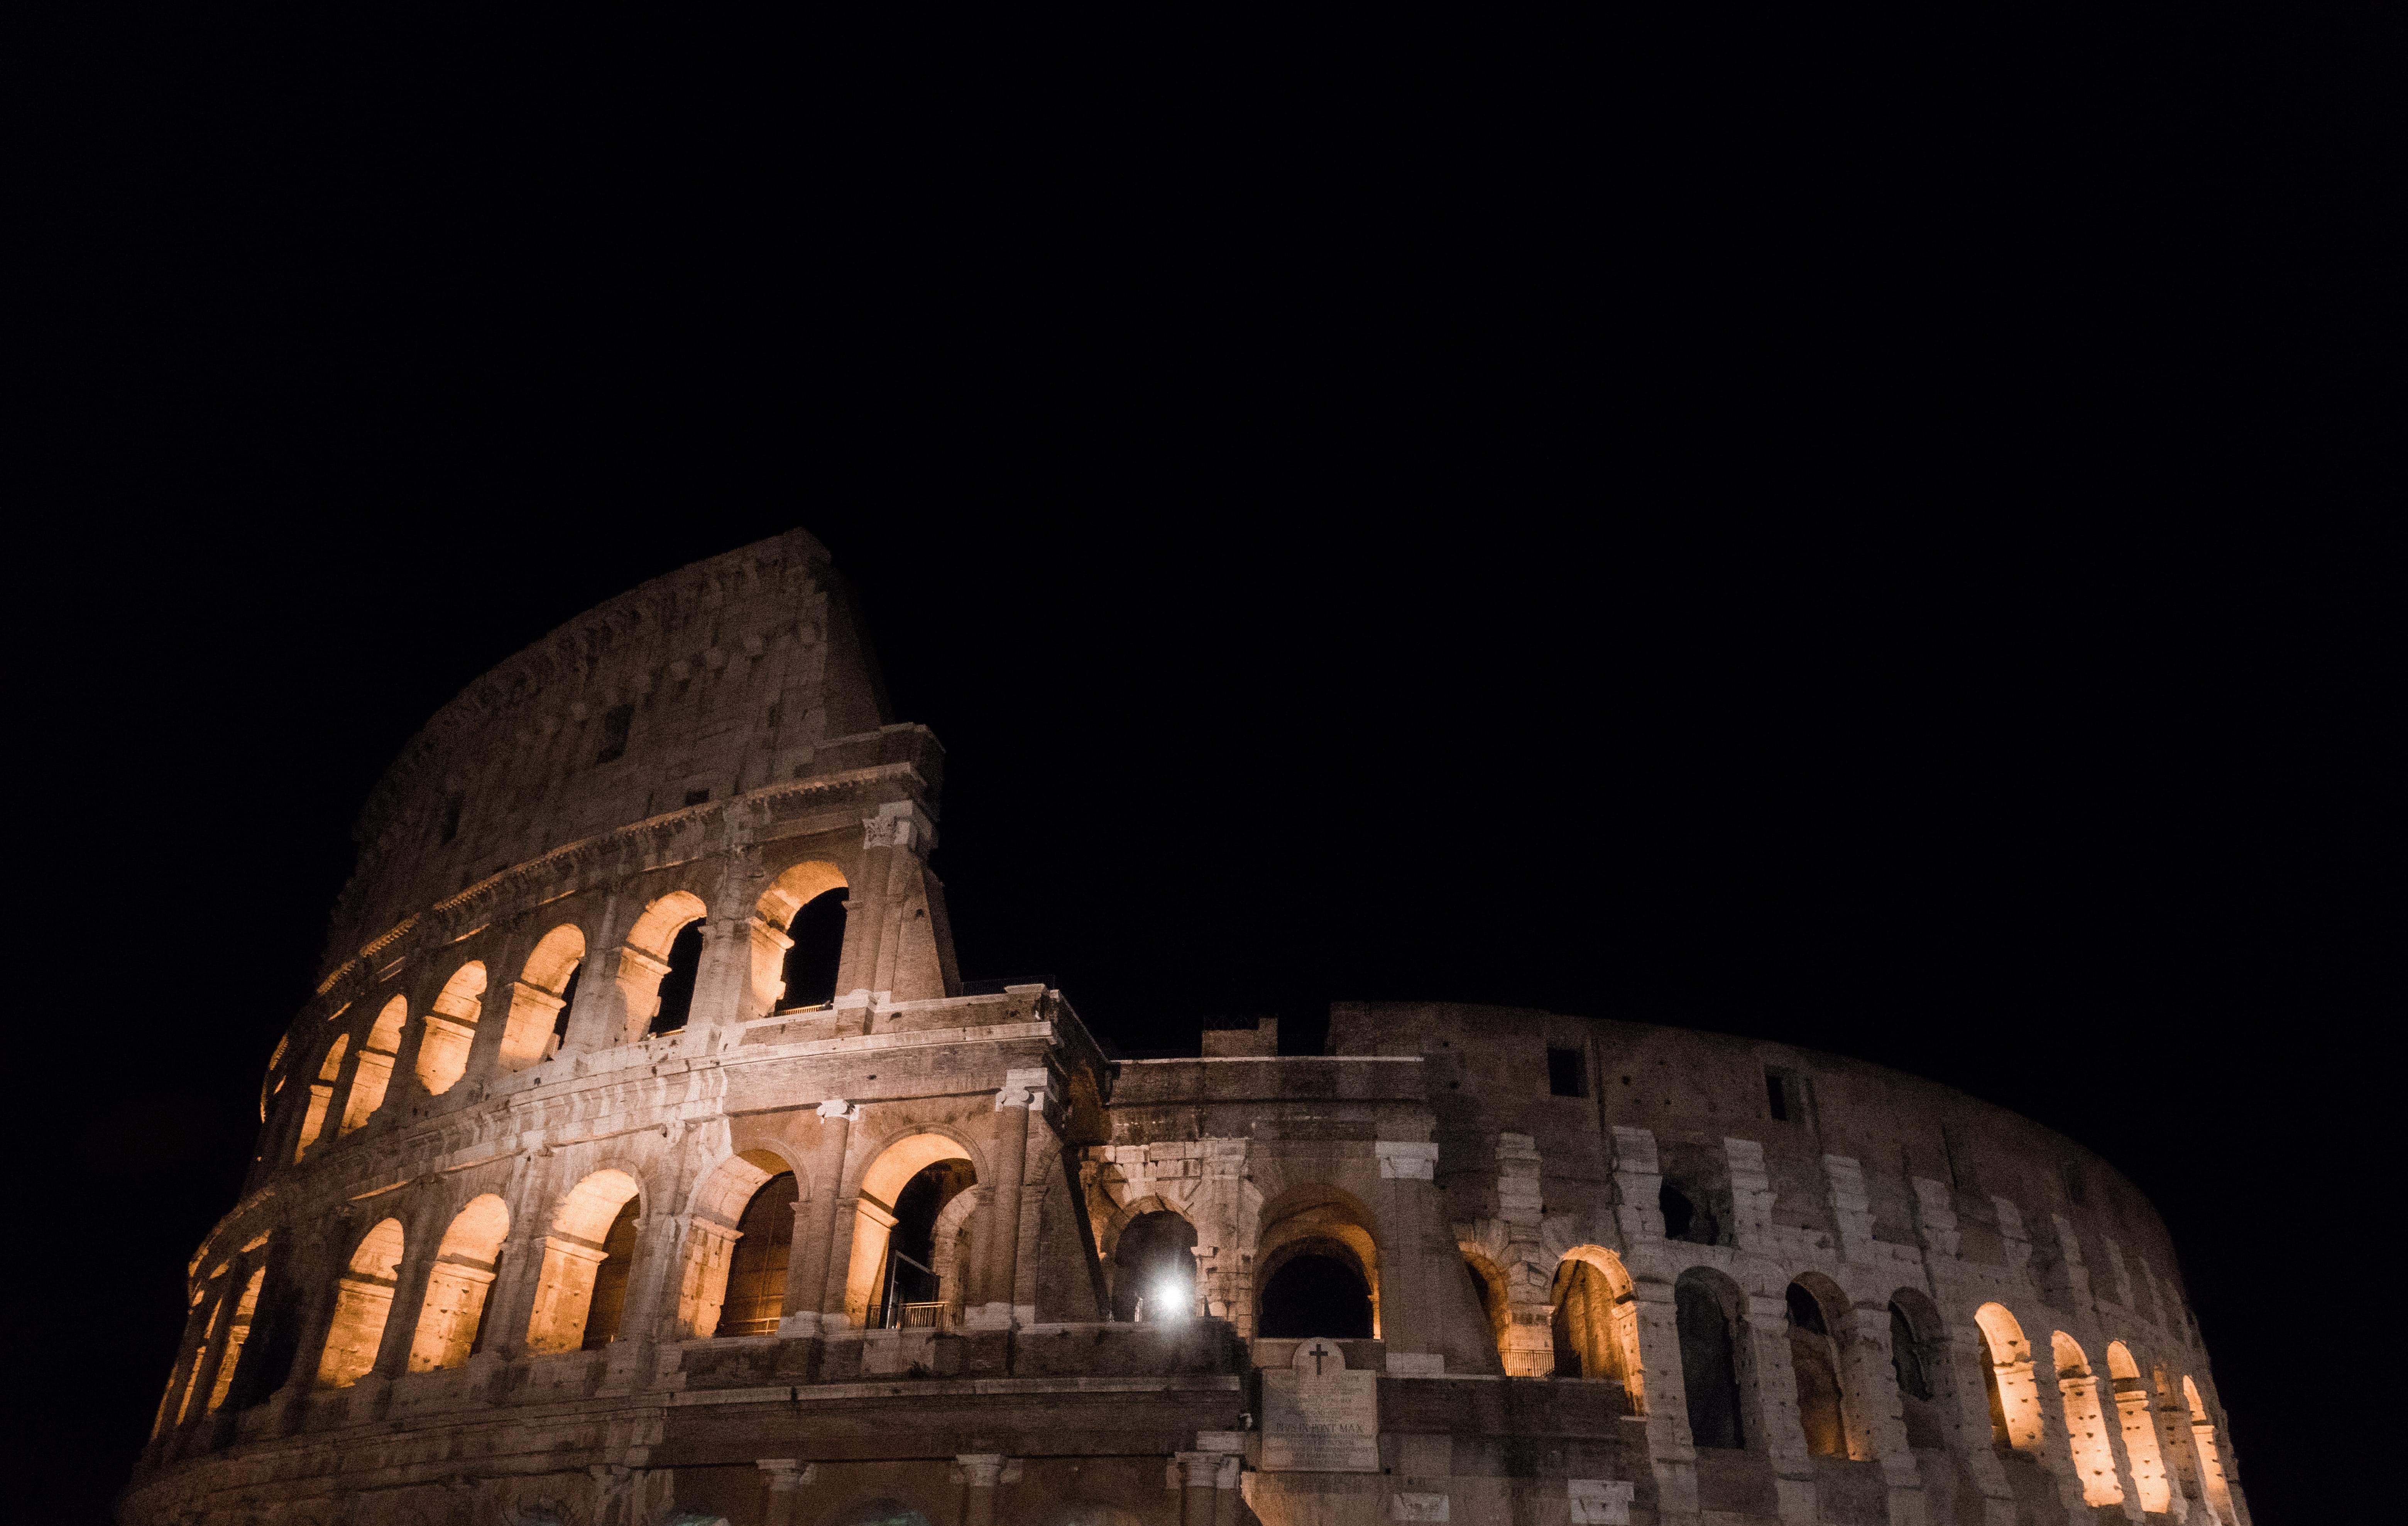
[767,947]
[1876,1422]
[1671,1451]
[1528,1347]
[981,1473]
[1200,1475]
[788,1479]
[1020,1089]
[591,1019]
[1776,1401]
[371,1392]
[814,1278]
[722,983]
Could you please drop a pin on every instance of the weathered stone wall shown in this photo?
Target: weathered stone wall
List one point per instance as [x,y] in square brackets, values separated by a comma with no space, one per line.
[394,1324]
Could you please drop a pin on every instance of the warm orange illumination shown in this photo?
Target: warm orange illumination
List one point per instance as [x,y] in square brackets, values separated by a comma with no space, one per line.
[2139,1431]
[236,1334]
[719,1205]
[875,1216]
[373,1075]
[363,1300]
[538,994]
[792,891]
[322,1093]
[572,1253]
[2211,1462]
[2015,1391]
[1595,1300]
[645,957]
[458,1284]
[451,1028]
[2085,1427]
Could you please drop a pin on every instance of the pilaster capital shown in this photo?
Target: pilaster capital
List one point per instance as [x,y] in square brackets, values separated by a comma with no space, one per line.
[1407,1160]
[838,1110]
[1024,1088]
[901,823]
[985,1470]
[787,1473]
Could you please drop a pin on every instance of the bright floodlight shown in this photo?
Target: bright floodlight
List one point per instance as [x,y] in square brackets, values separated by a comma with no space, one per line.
[1170,1300]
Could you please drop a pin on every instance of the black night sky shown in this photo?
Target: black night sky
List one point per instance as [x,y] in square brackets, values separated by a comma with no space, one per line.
[1976,672]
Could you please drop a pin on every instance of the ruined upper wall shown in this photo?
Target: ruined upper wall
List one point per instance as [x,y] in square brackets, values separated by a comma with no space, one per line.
[1488,1073]
[712,680]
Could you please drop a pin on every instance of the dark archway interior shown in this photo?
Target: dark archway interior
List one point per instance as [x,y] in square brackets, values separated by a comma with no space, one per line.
[912,1244]
[1708,1373]
[1154,1276]
[817,932]
[610,1277]
[756,1273]
[677,987]
[1315,1294]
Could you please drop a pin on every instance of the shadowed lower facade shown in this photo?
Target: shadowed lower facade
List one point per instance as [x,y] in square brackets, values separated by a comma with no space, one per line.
[642,1158]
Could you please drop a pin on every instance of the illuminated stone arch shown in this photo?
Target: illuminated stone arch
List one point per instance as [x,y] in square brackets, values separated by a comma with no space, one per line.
[881,1181]
[372,1074]
[1319,1221]
[716,1214]
[1153,1243]
[2007,1375]
[363,1302]
[644,957]
[237,1334]
[450,1028]
[773,916]
[1597,1321]
[2130,1397]
[539,996]
[273,1081]
[2085,1426]
[321,1094]
[573,1254]
[2210,1459]
[459,1284]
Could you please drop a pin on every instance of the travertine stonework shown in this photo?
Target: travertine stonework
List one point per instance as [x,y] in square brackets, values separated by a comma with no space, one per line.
[1610,1272]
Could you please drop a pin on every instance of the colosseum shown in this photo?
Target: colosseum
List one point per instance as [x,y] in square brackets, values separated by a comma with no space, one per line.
[643,1159]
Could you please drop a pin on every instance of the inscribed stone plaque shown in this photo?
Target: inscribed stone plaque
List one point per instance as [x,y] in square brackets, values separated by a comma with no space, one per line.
[1318,1417]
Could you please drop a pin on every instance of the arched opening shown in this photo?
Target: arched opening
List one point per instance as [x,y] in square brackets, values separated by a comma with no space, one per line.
[1597,1323]
[2085,1426]
[238,1334]
[451,1028]
[1914,1361]
[576,1305]
[1705,1312]
[1684,1218]
[459,1284]
[2140,1429]
[2007,1375]
[1153,1269]
[1338,1293]
[911,1295]
[892,1268]
[810,966]
[373,1075]
[2211,1462]
[756,1273]
[799,938]
[1318,1290]
[322,1093]
[274,1341]
[363,1300]
[540,998]
[658,948]
[1816,1360]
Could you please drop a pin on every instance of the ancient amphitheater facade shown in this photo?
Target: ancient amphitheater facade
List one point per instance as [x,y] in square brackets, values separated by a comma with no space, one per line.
[642,1158]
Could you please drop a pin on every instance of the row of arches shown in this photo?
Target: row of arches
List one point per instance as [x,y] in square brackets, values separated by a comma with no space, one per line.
[798,935]
[1827,1352]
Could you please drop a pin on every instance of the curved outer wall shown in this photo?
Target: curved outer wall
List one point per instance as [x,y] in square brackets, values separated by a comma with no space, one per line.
[400,1322]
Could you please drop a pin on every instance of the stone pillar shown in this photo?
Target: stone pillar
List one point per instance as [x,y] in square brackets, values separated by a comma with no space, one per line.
[1671,1451]
[981,1473]
[1528,1347]
[767,954]
[815,1270]
[1776,1398]
[1200,1475]
[1875,1420]
[788,1479]
[1020,1089]
[598,1007]
[722,983]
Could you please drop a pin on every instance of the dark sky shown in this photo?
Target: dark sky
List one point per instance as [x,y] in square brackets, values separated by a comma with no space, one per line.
[1915,612]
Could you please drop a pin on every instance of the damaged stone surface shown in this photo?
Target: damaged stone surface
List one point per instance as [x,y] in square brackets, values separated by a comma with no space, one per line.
[504,1256]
